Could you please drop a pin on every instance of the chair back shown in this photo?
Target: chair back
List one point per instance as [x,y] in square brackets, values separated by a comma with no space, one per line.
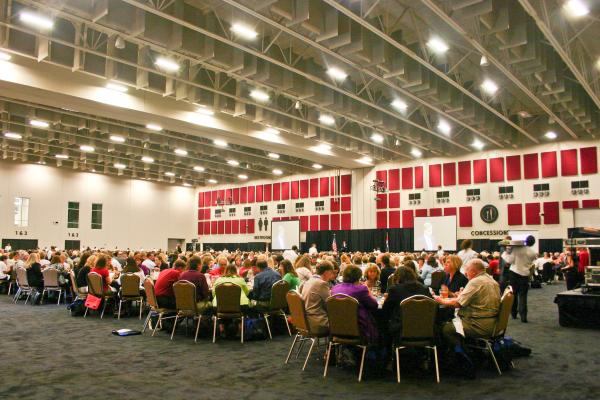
[95,284]
[342,312]
[228,298]
[506,303]
[50,278]
[130,285]
[297,310]
[22,278]
[437,278]
[418,318]
[185,297]
[150,294]
[278,295]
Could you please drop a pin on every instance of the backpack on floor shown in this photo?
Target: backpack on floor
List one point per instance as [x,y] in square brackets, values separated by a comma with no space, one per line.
[77,308]
[254,329]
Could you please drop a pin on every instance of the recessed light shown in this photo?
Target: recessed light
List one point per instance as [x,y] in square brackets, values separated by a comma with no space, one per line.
[37,20]
[181,152]
[399,105]
[220,143]
[274,155]
[337,73]
[186,184]
[39,124]
[116,87]
[551,135]
[233,162]
[438,45]
[321,148]
[154,127]
[147,159]
[259,95]
[444,127]
[166,64]
[5,56]
[478,144]
[524,114]
[484,61]
[377,137]
[117,138]
[212,181]
[576,8]
[416,153]
[365,160]
[489,86]
[198,168]
[169,173]
[242,176]
[12,135]
[326,119]
[277,172]
[87,149]
[317,166]
[62,156]
[119,166]
[244,31]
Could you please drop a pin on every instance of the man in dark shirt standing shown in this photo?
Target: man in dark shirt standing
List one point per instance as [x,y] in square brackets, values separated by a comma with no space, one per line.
[263,282]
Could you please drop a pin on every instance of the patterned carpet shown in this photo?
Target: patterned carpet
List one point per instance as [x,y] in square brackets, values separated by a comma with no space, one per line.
[48,354]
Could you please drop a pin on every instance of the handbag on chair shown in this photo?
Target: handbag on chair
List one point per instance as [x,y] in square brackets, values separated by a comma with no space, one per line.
[92,302]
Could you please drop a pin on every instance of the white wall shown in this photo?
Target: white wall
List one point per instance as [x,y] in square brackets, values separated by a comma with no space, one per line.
[136,213]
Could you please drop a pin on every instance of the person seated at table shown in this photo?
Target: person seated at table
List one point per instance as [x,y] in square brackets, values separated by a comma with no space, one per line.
[478,304]
[247,267]
[86,263]
[57,264]
[220,268]
[191,274]
[303,268]
[35,278]
[371,278]
[263,282]
[454,279]
[101,268]
[164,285]
[367,304]
[230,276]
[387,270]
[289,274]
[132,268]
[405,285]
[315,292]
[428,269]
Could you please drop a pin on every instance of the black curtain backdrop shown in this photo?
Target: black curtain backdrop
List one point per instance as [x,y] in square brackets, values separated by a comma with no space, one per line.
[251,246]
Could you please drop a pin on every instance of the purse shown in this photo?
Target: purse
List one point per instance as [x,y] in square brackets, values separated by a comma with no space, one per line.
[92,302]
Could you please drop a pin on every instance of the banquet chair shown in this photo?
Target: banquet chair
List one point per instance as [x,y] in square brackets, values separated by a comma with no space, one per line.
[437,278]
[186,305]
[228,306]
[96,288]
[303,332]
[76,290]
[51,283]
[24,287]
[485,344]
[130,291]
[277,304]
[342,311]
[154,307]
[418,321]
[12,281]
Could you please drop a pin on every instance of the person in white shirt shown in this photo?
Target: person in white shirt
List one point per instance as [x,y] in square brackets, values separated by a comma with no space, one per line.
[521,259]
[440,252]
[44,262]
[291,254]
[149,261]
[313,250]
[4,270]
[8,248]
[466,253]
[303,268]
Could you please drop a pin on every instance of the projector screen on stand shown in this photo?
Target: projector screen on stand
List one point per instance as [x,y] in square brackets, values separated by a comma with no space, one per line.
[285,234]
[429,232]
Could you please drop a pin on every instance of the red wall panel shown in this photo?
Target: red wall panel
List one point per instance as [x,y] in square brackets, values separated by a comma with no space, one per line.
[213,198]
[479,171]
[464,172]
[324,222]
[303,223]
[513,168]
[236,195]
[334,222]
[250,194]
[304,189]
[267,192]
[221,194]
[295,189]
[465,217]
[221,227]
[228,227]
[569,204]
[206,228]
[568,162]
[394,179]
[382,220]
[201,199]
[435,212]
[449,172]
[549,168]
[421,212]
[324,186]
[207,199]
[200,228]
[200,214]
[381,201]
[531,168]
[419,177]
[497,169]
[276,191]
[346,184]
[228,194]
[346,203]
[334,186]
[590,203]
[515,214]
[435,175]
[250,225]
[346,221]
[551,212]
[235,226]
[314,223]
[532,214]
[408,220]
[382,175]
[394,219]
[589,160]
[285,190]
[407,178]
[213,227]
[243,227]
[259,193]
[449,211]
[394,200]
[334,204]
[243,195]
[314,187]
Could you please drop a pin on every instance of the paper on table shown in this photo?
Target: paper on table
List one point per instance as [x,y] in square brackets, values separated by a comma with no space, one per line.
[458,326]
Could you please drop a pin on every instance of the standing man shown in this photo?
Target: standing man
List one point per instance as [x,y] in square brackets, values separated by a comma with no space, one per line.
[313,250]
[520,259]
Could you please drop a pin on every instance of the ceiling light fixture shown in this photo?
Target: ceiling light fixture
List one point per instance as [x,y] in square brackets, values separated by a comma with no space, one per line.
[336,73]
[220,143]
[119,166]
[416,153]
[524,114]
[444,127]
[36,20]
[119,42]
[244,31]
[321,148]
[167,64]
[169,173]
[198,168]
[154,127]
[205,111]
[212,181]
[116,87]
[242,176]
[147,159]
[117,138]
[181,152]
[365,160]
[277,172]
[317,166]
[39,124]
[484,61]
[62,156]
[87,149]
[478,144]
[271,131]
[5,56]
[437,45]
[377,137]
[274,155]
[576,8]
[326,119]
[13,135]
[186,184]
[259,95]
[234,163]
[399,105]
[489,86]
[551,135]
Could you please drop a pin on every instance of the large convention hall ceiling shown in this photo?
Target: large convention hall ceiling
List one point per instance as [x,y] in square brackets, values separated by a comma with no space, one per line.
[215,90]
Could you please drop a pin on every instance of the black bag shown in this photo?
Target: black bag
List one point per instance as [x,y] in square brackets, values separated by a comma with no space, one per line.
[254,329]
[77,308]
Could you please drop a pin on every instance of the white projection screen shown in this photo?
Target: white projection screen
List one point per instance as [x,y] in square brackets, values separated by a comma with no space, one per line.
[285,234]
[433,231]
[522,235]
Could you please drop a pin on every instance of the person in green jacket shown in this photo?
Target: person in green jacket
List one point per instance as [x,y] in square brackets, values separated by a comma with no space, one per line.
[286,269]
[231,276]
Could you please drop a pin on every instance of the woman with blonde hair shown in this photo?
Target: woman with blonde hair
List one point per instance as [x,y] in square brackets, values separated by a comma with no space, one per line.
[35,279]
[371,276]
[303,268]
[83,272]
[454,279]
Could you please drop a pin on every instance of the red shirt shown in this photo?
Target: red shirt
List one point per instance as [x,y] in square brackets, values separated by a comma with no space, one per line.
[495,267]
[165,281]
[103,272]
[584,261]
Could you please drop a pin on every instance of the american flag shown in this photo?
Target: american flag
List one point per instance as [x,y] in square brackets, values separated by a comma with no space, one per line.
[387,242]
[334,245]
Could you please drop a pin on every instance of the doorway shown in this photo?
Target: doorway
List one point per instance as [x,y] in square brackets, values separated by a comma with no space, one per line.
[72,244]
[21,244]
[173,243]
